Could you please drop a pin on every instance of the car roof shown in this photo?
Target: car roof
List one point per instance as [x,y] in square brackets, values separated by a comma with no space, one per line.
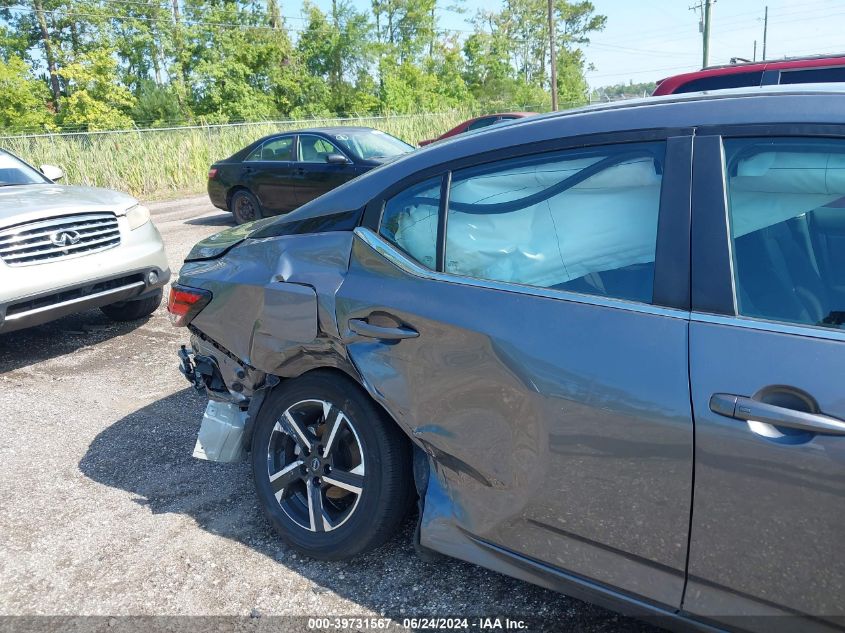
[487,116]
[810,61]
[807,103]
[705,96]
[670,84]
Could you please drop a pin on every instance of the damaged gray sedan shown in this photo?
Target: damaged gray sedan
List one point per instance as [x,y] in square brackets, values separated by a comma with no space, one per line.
[603,348]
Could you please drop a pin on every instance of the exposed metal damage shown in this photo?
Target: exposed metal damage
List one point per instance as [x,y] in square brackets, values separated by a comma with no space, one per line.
[296,327]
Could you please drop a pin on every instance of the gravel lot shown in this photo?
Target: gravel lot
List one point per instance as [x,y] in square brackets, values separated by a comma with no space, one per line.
[105,512]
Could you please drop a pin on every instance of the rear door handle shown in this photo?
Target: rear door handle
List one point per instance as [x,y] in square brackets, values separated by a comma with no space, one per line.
[361,327]
[749,410]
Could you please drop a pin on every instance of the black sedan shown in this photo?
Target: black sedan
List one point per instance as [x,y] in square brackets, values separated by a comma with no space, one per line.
[281,172]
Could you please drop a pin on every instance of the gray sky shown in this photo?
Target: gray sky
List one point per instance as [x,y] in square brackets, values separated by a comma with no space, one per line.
[646,40]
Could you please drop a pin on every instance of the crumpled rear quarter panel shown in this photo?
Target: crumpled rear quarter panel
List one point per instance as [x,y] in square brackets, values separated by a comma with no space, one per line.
[273,300]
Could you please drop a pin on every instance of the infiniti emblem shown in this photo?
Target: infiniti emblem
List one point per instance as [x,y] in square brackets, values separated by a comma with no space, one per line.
[315,464]
[65,238]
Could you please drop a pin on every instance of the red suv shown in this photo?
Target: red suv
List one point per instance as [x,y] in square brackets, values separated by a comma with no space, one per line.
[477,123]
[805,70]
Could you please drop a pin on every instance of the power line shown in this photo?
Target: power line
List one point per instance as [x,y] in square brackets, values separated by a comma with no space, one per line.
[658,34]
[688,68]
[644,51]
[184,22]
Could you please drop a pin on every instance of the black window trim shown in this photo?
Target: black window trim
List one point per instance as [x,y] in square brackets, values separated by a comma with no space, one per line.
[672,278]
[712,285]
[443,221]
[271,140]
[671,285]
[713,282]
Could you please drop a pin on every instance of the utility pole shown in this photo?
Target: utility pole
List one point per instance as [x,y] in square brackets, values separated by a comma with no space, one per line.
[552,53]
[707,5]
[755,50]
[765,30]
[704,7]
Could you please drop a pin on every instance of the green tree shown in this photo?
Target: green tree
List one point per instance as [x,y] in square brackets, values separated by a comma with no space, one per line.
[22,98]
[13,43]
[95,101]
[156,105]
[154,62]
[572,86]
[436,84]
[508,55]
[336,48]
[235,63]
[625,91]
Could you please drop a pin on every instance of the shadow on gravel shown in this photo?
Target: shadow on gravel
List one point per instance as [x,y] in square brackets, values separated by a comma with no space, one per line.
[222,219]
[60,337]
[148,454]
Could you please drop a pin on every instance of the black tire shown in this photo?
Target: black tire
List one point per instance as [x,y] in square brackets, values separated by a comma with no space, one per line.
[132,310]
[244,207]
[385,464]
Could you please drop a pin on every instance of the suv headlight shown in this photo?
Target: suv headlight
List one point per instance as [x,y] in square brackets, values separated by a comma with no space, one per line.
[138,216]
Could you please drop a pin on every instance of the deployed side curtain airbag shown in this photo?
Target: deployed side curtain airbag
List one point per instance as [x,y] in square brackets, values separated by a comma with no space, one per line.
[606,221]
[775,186]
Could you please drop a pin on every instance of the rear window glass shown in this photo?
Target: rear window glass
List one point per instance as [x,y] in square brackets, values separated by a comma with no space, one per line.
[410,221]
[722,82]
[480,123]
[277,149]
[813,75]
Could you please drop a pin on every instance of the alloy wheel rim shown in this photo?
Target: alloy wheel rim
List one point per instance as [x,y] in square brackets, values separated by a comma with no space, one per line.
[246,211]
[315,464]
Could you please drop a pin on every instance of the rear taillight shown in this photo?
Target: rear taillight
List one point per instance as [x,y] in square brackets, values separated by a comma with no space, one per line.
[212,173]
[185,303]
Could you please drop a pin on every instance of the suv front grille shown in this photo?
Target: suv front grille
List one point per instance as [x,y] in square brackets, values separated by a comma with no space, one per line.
[58,238]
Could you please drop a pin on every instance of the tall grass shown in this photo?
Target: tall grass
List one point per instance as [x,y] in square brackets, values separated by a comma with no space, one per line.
[164,163]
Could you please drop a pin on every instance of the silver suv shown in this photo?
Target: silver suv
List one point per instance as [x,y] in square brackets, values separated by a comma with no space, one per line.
[66,249]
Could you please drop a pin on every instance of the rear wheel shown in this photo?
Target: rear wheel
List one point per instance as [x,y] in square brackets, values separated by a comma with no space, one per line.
[244,207]
[135,309]
[333,474]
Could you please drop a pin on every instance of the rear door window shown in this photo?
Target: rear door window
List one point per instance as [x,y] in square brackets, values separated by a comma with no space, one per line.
[580,221]
[786,200]
[277,149]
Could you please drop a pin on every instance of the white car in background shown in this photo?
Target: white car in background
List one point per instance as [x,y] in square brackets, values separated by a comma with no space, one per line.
[66,249]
